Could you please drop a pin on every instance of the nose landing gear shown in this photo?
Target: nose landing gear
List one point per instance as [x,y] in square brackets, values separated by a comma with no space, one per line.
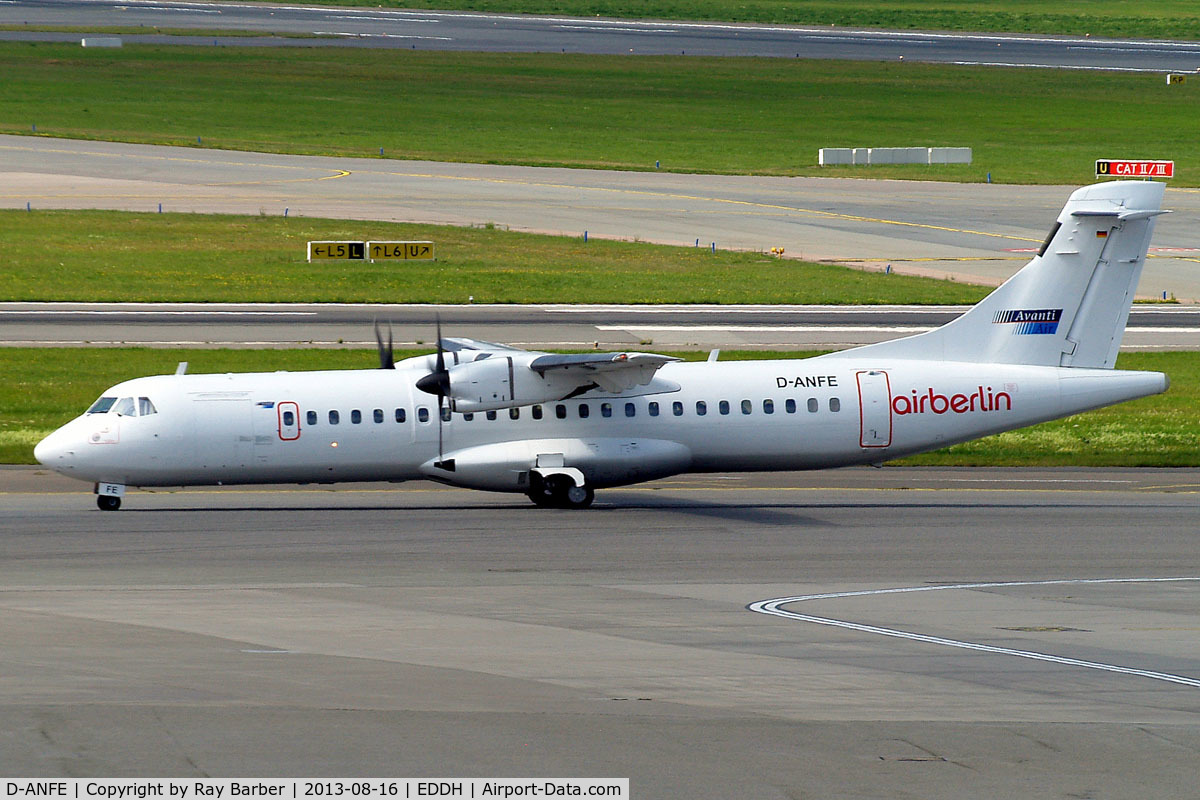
[108,495]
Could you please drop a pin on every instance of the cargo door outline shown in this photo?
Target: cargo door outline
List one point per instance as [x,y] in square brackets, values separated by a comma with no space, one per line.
[288,432]
[874,409]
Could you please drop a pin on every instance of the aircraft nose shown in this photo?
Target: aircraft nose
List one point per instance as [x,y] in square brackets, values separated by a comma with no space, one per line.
[54,451]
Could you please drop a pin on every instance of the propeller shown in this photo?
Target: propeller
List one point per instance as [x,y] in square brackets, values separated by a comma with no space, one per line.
[438,382]
[386,357]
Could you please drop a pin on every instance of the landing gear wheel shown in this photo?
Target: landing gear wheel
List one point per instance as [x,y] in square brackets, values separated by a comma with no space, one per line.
[107,503]
[560,491]
[579,497]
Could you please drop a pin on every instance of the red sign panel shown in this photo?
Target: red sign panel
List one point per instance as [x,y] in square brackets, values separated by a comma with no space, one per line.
[1114,168]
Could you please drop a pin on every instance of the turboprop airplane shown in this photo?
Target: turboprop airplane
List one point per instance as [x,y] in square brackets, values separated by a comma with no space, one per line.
[558,427]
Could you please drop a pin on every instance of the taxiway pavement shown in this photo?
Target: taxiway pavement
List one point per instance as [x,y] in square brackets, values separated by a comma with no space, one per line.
[976,232]
[415,630]
[452,30]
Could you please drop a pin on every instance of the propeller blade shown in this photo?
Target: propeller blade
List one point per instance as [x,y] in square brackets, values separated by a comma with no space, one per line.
[441,450]
[441,355]
[386,358]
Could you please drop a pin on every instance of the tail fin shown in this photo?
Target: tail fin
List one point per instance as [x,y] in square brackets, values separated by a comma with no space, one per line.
[1068,306]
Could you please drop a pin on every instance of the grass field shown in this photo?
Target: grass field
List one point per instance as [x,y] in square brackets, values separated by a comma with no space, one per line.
[1173,19]
[128,257]
[739,116]
[44,388]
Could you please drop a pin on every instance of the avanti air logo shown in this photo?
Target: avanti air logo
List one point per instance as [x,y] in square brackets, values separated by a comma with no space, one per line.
[1030,321]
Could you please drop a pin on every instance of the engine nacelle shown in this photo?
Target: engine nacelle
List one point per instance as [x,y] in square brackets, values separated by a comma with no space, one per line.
[604,461]
[500,382]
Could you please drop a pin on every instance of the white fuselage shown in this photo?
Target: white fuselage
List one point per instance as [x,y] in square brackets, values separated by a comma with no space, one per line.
[373,425]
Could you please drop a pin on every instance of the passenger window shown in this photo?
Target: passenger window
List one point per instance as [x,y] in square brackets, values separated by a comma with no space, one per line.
[677,408]
[400,415]
[334,418]
[514,413]
[102,405]
[446,414]
[606,410]
[490,415]
[289,419]
[468,417]
[768,406]
[701,408]
[630,409]
[560,411]
[747,406]
[723,406]
[652,409]
[422,414]
[145,407]
[536,411]
[835,404]
[789,405]
[812,404]
[356,417]
[584,411]
[377,414]
[311,417]
[126,408]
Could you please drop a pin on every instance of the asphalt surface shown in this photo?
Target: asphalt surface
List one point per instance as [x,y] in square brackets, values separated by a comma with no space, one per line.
[440,30]
[415,630]
[528,326]
[977,232]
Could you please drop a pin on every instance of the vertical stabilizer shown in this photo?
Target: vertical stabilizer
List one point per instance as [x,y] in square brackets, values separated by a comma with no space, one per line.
[1068,306]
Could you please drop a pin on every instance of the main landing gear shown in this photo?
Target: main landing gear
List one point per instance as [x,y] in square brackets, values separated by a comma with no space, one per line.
[107,503]
[560,491]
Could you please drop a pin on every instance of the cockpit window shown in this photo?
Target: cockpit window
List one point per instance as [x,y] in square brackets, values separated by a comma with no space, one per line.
[145,407]
[102,405]
[125,407]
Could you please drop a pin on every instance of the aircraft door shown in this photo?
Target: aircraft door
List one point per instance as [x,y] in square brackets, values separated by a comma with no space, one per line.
[874,409]
[288,417]
[224,432]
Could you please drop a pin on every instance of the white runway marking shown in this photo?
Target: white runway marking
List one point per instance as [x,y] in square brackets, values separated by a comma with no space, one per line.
[774,608]
[153,313]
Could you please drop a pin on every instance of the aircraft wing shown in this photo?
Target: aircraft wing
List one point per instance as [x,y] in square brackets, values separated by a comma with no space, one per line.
[455,344]
[612,372]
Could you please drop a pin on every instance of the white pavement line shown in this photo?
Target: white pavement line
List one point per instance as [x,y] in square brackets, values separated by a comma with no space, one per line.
[635,326]
[778,328]
[773,607]
[152,313]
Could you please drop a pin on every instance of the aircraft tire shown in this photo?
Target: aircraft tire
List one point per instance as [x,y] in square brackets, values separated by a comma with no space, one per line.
[561,492]
[578,496]
[106,503]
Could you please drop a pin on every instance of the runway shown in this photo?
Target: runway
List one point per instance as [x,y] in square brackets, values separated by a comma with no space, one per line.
[624,327]
[416,630]
[975,232]
[443,30]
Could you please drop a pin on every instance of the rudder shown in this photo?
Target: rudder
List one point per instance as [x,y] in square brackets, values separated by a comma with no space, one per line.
[1069,305]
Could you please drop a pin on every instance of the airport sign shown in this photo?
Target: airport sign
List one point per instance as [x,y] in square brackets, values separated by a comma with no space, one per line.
[337,250]
[421,251]
[1118,168]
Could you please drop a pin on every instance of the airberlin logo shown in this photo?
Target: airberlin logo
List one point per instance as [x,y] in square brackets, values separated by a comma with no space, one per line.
[931,402]
[1030,321]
